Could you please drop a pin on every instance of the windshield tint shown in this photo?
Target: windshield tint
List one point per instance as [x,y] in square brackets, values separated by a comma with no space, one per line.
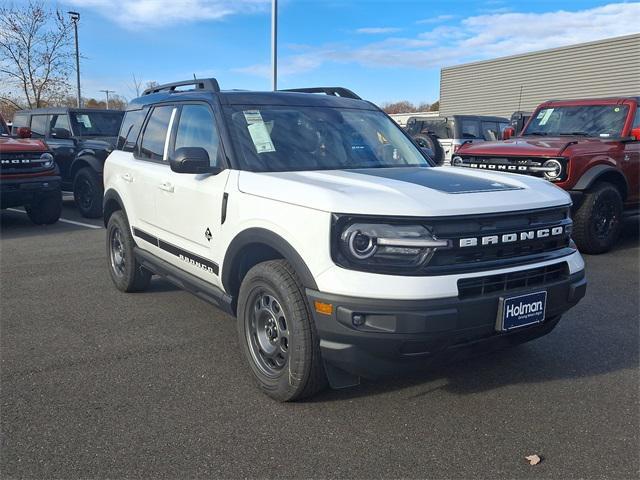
[280,138]
[96,124]
[590,120]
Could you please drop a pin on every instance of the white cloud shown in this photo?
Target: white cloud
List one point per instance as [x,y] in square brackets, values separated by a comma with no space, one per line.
[475,38]
[436,19]
[155,13]
[377,30]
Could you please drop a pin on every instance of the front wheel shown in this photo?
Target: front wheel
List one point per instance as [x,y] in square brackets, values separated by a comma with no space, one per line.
[277,333]
[87,192]
[597,222]
[126,272]
[45,209]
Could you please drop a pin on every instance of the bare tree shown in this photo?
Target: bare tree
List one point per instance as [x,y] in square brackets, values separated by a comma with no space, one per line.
[35,52]
[136,85]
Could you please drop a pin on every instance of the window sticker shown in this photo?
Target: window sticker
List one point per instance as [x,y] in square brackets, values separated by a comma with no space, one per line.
[258,131]
[84,120]
[545,116]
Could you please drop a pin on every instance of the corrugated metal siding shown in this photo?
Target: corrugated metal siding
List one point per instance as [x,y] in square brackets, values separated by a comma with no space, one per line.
[604,68]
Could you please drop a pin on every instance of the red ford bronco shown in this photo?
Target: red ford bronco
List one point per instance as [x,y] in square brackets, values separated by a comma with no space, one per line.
[29,176]
[591,148]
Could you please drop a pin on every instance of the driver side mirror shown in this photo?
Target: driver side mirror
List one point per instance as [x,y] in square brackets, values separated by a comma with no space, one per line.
[635,133]
[508,132]
[191,160]
[23,132]
[60,133]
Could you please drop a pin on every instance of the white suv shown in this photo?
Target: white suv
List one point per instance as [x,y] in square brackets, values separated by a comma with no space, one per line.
[318,222]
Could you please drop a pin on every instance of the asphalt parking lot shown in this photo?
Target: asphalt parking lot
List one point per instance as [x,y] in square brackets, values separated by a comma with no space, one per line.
[96,384]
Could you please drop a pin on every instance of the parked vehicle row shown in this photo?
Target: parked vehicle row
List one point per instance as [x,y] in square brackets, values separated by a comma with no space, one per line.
[316,220]
[591,148]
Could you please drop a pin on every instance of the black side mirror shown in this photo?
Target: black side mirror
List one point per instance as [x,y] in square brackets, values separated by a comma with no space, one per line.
[191,160]
[61,133]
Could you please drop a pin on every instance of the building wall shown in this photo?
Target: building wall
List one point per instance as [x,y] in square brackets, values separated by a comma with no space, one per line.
[603,68]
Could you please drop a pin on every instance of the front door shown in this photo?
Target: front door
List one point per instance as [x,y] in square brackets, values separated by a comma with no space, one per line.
[189,206]
[63,149]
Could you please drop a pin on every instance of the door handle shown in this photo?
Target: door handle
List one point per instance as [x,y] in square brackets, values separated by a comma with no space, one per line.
[127,177]
[166,186]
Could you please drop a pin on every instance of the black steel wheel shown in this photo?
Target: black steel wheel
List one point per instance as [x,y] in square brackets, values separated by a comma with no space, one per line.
[126,272]
[598,221]
[278,334]
[88,192]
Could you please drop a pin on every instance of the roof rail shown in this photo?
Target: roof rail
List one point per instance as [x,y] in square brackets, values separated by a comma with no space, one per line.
[334,91]
[210,84]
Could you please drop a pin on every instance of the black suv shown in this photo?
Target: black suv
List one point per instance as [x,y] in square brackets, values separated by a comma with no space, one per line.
[81,140]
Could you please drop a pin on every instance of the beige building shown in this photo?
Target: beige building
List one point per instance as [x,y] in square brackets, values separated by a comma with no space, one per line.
[603,68]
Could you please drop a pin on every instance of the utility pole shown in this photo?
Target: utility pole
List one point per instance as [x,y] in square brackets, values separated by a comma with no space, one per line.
[75,18]
[107,92]
[274,44]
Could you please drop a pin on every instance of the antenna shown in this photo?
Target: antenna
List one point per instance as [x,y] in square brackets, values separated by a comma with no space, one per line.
[520,99]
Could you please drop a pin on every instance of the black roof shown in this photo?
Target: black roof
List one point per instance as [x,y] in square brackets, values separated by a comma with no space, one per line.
[64,110]
[487,118]
[207,89]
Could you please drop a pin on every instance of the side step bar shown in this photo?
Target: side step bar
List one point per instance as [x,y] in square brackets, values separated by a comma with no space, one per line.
[186,281]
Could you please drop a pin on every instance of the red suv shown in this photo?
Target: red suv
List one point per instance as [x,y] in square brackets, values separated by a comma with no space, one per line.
[591,148]
[29,176]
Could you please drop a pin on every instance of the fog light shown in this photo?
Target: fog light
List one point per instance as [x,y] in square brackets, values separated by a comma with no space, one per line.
[358,319]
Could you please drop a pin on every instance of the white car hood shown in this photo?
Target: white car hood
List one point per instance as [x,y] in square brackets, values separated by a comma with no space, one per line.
[410,191]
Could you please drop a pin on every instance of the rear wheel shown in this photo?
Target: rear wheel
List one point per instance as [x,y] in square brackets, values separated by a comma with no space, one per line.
[597,222]
[45,209]
[126,272]
[87,192]
[277,333]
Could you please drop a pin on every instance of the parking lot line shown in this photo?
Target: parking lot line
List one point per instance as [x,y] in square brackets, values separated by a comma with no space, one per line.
[63,220]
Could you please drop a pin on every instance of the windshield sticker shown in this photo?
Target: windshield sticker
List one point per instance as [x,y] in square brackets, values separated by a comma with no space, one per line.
[545,116]
[617,109]
[261,138]
[84,120]
[252,116]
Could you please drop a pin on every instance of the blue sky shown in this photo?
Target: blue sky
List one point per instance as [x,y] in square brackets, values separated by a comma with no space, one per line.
[386,50]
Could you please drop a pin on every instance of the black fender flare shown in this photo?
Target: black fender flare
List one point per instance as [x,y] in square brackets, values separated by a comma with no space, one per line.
[110,196]
[85,158]
[273,240]
[592,175]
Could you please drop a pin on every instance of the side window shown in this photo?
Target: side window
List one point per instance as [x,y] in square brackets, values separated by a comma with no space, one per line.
[636,121]
[19,121]
[490,131]
[154,137]
[197,128]
[470,129]
[60,121]
[130,129]
[39,124]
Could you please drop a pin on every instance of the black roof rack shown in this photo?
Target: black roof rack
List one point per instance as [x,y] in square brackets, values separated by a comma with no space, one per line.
[334,91]
[210,84]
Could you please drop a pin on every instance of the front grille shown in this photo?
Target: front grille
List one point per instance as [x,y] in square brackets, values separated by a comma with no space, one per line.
[479,286]
[22,162]
[523,165]
[493,256]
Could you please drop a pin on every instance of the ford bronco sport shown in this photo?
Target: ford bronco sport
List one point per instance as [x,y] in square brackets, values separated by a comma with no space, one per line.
[80,140]
[29,176]
[317,222]
[590,148]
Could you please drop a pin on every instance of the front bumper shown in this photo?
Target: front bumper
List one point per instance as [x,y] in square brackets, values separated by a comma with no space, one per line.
[23,191]
[402,335]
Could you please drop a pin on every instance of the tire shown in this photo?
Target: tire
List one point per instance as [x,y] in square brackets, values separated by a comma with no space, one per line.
[597,223]
[277,333]
[88,192]
[46,209]
[127,274]
[431,142]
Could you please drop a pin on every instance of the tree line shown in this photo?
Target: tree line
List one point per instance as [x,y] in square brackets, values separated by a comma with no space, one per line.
[405,106]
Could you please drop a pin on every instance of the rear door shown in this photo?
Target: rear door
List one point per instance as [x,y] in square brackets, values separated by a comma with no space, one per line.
[189,206]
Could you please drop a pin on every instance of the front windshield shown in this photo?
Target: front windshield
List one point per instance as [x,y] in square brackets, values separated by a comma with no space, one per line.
[96,124]
[587,120]
[280,138]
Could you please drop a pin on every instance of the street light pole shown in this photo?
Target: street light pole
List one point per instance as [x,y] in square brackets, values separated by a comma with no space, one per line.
[75,18]
[107,93]
[274,44]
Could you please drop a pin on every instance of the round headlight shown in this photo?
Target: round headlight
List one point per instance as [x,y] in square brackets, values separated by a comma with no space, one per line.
[557,169]
[361,245]
[46,159]
[456,161]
